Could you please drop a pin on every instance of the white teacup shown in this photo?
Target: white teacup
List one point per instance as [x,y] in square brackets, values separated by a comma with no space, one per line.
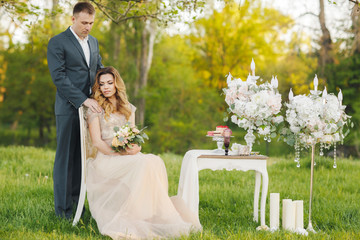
[238,149]
[244,150]
[235,148]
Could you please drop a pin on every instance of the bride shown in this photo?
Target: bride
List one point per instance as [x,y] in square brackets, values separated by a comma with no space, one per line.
[128,191]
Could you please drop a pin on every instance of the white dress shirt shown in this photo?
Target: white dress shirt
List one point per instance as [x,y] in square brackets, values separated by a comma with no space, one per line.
[84,45]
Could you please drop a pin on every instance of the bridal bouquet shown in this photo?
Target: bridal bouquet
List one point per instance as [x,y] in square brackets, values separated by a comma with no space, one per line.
[254,107]
[127,135]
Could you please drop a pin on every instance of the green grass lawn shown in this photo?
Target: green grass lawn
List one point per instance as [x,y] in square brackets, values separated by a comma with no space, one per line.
[226,198]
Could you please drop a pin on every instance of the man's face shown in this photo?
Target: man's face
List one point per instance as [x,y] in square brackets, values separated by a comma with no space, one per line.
[82,24]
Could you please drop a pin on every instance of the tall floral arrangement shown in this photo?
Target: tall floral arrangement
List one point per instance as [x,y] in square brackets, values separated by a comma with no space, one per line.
[254,107]
[315,118]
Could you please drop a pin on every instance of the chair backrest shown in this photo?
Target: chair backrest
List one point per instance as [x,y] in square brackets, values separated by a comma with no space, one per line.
[83,144]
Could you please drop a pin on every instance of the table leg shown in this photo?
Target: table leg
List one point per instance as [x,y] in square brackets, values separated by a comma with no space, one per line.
[256,196]
[264,191]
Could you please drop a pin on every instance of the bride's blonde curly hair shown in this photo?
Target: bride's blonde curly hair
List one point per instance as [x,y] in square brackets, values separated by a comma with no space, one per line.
[122,103]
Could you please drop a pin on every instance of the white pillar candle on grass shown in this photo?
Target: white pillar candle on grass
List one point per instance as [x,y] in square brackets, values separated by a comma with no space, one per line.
[299,219]
[274,210]
[288,221]
[285,203]
[293,219]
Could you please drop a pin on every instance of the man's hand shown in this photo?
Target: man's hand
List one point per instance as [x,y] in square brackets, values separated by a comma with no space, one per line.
[93,105]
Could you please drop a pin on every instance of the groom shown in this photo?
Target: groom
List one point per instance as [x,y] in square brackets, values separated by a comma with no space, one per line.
[73,59]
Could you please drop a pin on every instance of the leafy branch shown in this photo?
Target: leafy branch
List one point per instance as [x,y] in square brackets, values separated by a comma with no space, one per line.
[128,9]
[123,10]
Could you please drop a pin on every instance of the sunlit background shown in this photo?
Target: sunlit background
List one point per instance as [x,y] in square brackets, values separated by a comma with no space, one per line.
[188,49]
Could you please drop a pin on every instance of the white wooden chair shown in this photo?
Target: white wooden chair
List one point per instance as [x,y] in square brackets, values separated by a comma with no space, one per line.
[82,195]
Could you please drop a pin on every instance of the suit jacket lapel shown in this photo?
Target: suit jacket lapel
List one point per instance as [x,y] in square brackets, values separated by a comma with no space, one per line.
[77,44]
[91,46]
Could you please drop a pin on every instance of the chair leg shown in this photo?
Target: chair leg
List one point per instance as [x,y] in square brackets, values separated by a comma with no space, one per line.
[82,194]
[80,205]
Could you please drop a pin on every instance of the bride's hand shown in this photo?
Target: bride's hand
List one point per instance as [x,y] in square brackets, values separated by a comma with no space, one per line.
[134,150]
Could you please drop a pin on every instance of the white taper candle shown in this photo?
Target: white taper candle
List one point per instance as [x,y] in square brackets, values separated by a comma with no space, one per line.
[340,97]
[276,82]
[291,94]
[229,77]
[252,67]
[316,82]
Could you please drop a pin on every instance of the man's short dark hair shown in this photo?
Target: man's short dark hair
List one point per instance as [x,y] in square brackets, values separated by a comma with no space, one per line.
[84,7]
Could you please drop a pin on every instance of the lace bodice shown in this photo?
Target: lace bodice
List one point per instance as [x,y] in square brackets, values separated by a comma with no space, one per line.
[107,125]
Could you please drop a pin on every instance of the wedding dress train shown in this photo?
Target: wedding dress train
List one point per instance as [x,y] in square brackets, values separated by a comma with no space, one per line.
[128,195]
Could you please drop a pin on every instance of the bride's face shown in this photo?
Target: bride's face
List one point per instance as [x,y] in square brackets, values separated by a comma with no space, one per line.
[107,85]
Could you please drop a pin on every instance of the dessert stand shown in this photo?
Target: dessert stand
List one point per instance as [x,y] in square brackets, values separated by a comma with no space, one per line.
[219,142]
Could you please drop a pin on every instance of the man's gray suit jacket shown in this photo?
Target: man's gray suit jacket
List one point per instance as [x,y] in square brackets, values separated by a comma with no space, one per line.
[69,71]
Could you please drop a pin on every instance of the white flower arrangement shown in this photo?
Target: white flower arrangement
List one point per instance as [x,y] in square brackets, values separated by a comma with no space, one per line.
[315,119]
[310,118]
[254,107]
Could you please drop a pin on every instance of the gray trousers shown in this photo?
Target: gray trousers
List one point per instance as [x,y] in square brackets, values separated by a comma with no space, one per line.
[67,166]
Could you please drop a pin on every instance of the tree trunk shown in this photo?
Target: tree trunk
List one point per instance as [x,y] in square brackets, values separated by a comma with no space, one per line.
[41,130]
[14,125]
[53,13]
[147,47]
[116,41]
[138,56]
[325,41]
[355,18]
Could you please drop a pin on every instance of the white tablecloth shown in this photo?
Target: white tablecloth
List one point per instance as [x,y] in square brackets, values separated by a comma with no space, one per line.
[188,188]
[189,178]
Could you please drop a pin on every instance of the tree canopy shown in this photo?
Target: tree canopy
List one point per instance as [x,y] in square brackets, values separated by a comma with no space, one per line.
[180,76]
